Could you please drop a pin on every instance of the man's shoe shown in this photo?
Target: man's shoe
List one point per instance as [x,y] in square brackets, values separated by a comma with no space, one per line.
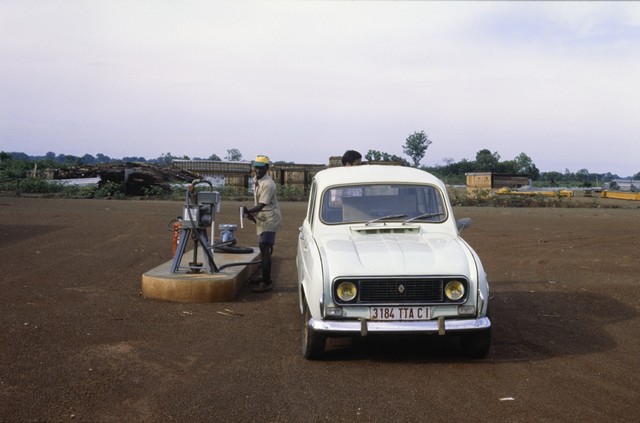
[255,281]
[263,287]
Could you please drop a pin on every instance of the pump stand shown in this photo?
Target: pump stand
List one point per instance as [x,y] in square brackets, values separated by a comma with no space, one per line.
[199,238]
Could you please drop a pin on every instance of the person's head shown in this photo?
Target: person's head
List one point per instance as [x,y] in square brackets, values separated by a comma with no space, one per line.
[351,158]
[260,166]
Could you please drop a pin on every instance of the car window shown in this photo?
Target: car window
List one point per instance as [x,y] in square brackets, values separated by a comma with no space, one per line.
[363,203]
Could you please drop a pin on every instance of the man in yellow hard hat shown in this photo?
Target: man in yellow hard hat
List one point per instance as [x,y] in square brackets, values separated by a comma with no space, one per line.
[267,217]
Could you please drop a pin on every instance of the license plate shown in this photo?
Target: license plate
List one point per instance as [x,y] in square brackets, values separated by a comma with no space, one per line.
[399,313]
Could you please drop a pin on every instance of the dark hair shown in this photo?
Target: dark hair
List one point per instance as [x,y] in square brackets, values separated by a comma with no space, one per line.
[350,156]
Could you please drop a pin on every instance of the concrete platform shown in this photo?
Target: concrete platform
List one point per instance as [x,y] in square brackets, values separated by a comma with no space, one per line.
[203,287]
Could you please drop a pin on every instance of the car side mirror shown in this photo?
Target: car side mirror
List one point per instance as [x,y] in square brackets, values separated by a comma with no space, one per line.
[463,223]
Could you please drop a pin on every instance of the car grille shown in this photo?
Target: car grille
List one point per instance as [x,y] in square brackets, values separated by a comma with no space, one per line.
[400,291]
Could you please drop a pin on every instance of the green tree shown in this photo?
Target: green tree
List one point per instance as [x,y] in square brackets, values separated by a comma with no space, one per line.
[508,166]
[553,178]
[69,160]
[524,164]
[397,159]
[215,157]
[486,161]
[166,159]
[583,175]
[88,159]
[47,164]
[133,159]
[416,146]
[12,169]
[233,155]
[101,158]
[373,155]
[381,156]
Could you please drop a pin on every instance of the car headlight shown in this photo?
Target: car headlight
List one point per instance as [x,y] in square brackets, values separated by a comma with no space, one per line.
[346,291]
[454,290]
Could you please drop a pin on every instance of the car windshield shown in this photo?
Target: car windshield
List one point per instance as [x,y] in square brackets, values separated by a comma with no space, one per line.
[382,203]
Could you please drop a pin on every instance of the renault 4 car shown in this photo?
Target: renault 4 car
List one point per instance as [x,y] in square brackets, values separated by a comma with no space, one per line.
[380,252]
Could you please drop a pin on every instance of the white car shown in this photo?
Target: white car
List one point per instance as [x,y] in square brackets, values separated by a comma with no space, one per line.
[380,251]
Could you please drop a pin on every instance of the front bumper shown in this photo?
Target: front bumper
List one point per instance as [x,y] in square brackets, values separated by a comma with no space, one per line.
[440,326]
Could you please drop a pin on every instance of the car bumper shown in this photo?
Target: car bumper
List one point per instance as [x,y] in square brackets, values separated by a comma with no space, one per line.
[440,326]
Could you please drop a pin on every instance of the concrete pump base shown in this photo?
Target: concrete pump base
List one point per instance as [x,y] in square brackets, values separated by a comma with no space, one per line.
[202,287]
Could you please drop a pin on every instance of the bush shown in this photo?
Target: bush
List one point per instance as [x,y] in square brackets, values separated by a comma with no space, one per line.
[75,191]
[110,189]
[32,186]
[154,191]
[291,193]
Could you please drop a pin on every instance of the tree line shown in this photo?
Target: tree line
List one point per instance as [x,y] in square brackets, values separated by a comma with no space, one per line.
[415,147]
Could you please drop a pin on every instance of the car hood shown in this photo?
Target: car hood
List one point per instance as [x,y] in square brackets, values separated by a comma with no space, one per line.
[421,254]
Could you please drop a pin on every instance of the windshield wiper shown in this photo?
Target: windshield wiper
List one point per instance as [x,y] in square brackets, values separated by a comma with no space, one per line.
[391,216]
[422,216]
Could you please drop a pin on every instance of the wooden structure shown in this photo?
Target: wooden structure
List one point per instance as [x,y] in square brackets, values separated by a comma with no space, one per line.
[491,181]
[238,174]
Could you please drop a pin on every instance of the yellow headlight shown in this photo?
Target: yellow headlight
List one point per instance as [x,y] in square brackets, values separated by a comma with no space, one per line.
[347,291]
[454,290]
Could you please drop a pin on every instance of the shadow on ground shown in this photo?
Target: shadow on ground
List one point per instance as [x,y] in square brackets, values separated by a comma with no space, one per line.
[546,325]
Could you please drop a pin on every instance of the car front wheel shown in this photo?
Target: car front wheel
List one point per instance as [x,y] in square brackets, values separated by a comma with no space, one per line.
[476,344]
[312,342]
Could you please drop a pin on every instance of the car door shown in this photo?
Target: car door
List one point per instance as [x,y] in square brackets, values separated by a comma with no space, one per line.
[308,258]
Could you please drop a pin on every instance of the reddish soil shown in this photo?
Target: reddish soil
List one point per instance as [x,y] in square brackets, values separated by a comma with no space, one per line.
[80,343]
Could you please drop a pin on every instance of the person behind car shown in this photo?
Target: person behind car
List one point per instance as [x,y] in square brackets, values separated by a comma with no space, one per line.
[266,214]
[351,158]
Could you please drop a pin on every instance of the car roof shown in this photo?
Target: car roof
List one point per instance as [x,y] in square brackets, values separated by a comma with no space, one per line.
[374,174]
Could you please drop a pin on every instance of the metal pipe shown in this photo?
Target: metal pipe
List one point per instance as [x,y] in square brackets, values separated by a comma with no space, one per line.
[246,263]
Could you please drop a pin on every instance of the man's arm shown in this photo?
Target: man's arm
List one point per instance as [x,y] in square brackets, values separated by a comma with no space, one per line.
[255,209]
[250,213]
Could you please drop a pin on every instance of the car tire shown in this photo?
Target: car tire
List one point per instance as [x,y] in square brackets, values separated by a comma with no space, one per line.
[313,343]
[476,344]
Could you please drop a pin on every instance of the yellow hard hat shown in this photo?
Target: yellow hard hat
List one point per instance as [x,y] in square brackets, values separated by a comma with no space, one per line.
[260,161]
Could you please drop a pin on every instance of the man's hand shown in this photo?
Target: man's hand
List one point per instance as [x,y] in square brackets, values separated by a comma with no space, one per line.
[245,213]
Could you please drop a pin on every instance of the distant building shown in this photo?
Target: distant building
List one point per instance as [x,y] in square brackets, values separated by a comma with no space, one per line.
[492,181]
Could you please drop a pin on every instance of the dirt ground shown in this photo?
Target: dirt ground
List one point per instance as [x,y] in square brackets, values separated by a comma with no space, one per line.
[80,343]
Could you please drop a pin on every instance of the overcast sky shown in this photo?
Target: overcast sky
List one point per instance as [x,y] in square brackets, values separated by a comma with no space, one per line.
[302,81]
